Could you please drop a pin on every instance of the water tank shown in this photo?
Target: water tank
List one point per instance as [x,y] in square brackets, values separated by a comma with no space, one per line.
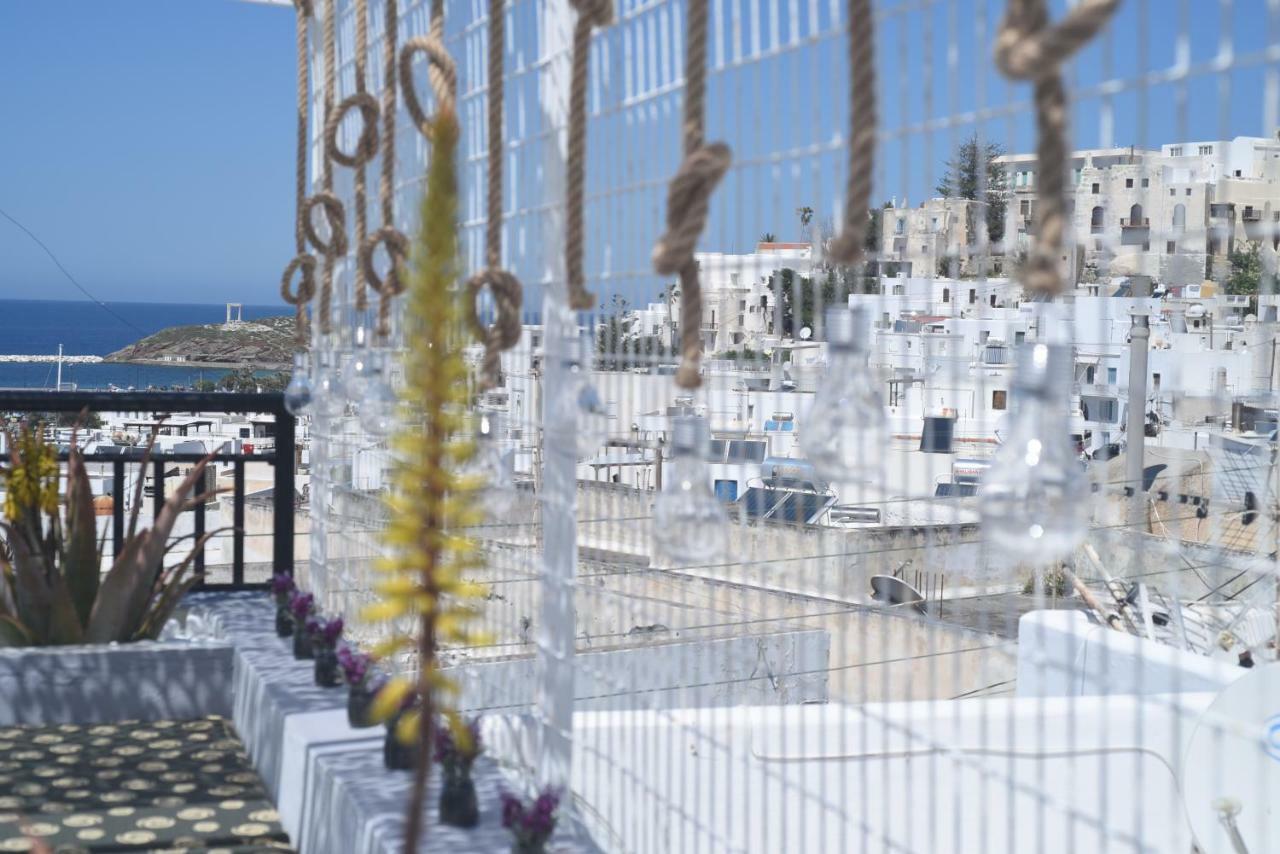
[937,434]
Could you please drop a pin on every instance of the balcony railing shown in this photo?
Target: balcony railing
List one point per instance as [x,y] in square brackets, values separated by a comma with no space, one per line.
[1135,222]
[1251,216]
[280,457]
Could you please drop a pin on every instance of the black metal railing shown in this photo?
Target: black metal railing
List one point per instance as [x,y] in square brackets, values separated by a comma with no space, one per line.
[161,403]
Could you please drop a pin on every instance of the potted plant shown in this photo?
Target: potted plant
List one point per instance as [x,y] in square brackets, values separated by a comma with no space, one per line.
[357,671]
[456,748]
[401,754]
[531,825]
[282,587]
[325,635]
[52,589]
[302,607]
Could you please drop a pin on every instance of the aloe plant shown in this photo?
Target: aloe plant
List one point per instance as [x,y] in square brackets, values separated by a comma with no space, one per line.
[52,590]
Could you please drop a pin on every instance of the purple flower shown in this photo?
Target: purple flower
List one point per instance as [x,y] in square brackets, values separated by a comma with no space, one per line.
[312,625]
[331,630]
[531,824]
[355,665]
[301,605]
[449,752]
[282,586]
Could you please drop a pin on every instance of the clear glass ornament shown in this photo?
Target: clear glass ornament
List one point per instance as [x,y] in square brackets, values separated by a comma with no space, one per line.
[329,401]
[1035,496]
[591,416]
[297,394]
[494,464]
[845,433]
[362,369]
[380,403]
[690,524]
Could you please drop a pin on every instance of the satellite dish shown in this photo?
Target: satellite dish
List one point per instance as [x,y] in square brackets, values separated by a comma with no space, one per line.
[1231,772]
[892,590]
[805,333]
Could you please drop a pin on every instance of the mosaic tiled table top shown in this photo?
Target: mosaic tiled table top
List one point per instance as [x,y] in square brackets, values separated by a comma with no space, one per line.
[132,786]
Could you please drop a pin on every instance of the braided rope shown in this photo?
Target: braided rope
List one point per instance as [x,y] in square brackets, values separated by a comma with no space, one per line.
[330,205]
[504,286]
[1028,48]
[849,248]
[591,14]
[388,236]
[366,143]
[302,262]
[689,199]
[442,74]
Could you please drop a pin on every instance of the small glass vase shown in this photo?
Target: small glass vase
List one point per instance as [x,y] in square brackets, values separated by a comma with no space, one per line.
[458,805]
[302,649]
[327,673]
[284,622]
[359,702]
[397,756]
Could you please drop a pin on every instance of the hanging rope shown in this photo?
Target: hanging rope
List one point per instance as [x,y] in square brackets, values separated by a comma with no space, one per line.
[366,144]
[688,200]
[387,236]
[442,73]
[850,246]
[505,287]
[591,14]
[302,262]
[330,205]
[1028,48]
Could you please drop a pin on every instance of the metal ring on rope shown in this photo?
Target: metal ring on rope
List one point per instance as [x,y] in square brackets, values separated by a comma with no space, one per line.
[442,73]
[505,331]
[335,214]
[397,246]
[306,264]
[367,144]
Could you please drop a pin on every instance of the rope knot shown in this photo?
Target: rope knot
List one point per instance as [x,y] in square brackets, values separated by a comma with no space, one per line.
[688,201]
[442,74]
[504,334]
[335,215]
[1029,48]
[367,143]
[306,265]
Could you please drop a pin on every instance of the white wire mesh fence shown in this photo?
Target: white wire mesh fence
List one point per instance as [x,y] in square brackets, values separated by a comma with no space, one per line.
[920,641]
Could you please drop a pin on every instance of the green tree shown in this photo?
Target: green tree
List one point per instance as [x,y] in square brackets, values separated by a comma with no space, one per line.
[1246,270]
[963,180]
[797,296]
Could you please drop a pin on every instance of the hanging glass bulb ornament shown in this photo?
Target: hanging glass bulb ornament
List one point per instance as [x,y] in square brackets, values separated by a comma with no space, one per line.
[362,369]
[379,404]
[297,394]
[845,433]
[690,524]
[494,466]
[329,401]
[1035,495]
[591,416]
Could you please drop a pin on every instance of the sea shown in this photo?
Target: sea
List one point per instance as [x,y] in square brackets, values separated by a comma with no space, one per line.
[85,328]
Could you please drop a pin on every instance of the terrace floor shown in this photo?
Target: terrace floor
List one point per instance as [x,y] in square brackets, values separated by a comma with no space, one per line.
[132,786]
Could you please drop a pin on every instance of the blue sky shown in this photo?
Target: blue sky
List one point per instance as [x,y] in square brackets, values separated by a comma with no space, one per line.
[149,142]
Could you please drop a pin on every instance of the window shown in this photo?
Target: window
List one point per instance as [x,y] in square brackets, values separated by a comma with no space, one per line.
[1172,191]
[1025,206]
[999,398]
[1206,149]
[900,226]
[924,247]
[1171,247]
[1188,191]
[1095,189]
[946,294]
[993,300]
[1019,337]
[1237,173]
[1146,182]
[1179,217]
[1111,376]
[1095,219]
[1128,182]
[973,296]
[899,290]
[1135,216]
[1175,151]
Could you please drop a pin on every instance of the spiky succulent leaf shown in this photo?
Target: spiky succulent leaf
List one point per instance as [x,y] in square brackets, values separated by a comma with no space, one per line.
[81,565]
